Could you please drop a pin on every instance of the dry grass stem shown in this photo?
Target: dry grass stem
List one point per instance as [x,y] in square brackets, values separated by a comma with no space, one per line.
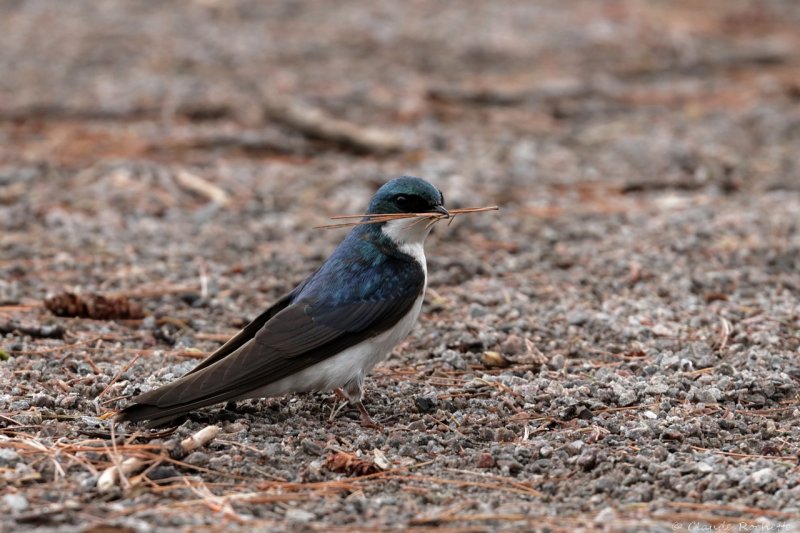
[316,123]
[119,471]
[375,218]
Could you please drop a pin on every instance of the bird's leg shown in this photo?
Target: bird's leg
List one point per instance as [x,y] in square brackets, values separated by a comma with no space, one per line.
[340,397]
[366,420]
[352,392]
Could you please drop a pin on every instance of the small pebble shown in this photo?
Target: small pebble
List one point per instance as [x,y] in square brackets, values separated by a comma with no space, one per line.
[299,515]
[417,425]
[425,404]
[16,502]
[494,360]
[197,458]
[704,468]
[762,477]
[513,345]
[20,405]
[8,457]
[606,515]
[578,318]
[556,362]
[477,310]
[574,447]
[43,400]
[485,460]
[588,458]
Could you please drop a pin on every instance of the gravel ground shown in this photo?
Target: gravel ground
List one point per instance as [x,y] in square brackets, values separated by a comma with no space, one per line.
[616,348]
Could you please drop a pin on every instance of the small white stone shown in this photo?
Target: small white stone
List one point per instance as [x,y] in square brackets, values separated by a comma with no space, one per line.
[704,468]
[662,330]
[763,477]
[299,515]
[606,515]
[380,459]
[575,447]
[16,502]
[8,457]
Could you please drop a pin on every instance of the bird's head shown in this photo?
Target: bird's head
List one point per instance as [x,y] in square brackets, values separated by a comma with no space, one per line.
[407,194]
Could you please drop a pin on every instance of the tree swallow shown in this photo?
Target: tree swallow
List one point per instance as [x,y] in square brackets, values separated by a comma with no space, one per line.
[332,329]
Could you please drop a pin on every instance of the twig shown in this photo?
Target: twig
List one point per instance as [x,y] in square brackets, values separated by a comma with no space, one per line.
[113,475]
[118,473]
[469,518]
[195,183]
[519,489]
[374,218]
[254,143]
[150,291]
[214,502]
[218,337]
[725,332]
[316,123]
[734,508]
[199,439]
[9,420]
[38,332]
[182,464]
[192,353]
[456,211]
[119,374]
[512,482]
[739,455]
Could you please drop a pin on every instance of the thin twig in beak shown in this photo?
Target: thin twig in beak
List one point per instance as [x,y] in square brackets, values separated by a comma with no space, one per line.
[376,218]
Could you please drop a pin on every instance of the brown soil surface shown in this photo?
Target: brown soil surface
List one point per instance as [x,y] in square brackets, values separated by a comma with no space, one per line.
[617,347]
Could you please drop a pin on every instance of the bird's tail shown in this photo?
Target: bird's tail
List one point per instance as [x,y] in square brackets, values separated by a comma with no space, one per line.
[201,386]
[157,415]
[178,398]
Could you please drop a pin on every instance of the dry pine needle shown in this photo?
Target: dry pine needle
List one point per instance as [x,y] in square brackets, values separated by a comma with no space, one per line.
[374,218]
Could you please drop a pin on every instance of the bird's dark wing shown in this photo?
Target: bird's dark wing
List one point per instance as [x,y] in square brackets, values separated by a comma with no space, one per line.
[249,331]
[305,332]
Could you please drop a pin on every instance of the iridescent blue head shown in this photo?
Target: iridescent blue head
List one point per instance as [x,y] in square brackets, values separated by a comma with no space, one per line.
[408,194]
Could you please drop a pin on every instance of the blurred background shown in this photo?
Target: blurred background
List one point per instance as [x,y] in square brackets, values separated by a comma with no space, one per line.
[176,155]
[145,146]
[117,115]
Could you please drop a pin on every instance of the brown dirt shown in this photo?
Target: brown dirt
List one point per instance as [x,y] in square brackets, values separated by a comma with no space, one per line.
[617,347]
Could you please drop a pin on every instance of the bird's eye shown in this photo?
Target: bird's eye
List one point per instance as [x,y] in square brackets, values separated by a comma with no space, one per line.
[401,201]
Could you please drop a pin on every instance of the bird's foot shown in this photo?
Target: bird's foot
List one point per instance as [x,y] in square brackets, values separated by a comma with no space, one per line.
[366,420]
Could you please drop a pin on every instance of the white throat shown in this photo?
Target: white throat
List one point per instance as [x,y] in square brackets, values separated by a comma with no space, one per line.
[409,235]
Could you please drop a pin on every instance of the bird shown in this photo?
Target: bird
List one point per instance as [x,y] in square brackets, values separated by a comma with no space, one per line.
[330,330]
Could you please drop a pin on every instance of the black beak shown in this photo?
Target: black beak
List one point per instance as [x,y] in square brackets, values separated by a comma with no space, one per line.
[441,210]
